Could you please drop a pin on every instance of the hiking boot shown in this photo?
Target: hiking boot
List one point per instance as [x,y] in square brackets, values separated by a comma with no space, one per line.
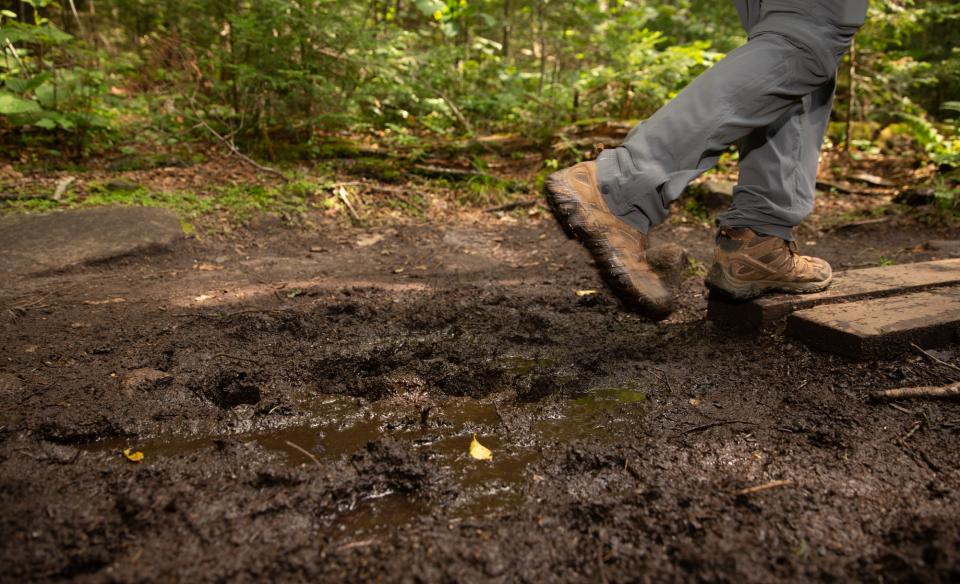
[747,264]
[618,250]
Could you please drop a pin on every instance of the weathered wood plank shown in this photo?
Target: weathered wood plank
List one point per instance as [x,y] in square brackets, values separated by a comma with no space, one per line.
[847,287]
[880,327]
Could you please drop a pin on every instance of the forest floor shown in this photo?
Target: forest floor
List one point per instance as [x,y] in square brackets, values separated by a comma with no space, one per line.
[322,383]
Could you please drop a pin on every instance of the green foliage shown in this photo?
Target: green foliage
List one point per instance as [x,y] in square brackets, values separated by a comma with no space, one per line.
[272,73]
[43,88]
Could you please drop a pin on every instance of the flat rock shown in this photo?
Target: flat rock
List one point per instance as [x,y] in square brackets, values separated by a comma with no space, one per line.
[881,327]
[55,241]
[847,287]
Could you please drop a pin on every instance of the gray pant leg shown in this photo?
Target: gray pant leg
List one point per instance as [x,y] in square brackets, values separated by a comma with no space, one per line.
[778,168]
[755,86]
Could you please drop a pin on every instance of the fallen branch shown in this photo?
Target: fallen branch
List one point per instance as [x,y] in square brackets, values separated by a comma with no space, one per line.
[451,173]
[861,223]
[934,359]
[229,144]
[714,425]
[923,392]
[512,206]
[826,185]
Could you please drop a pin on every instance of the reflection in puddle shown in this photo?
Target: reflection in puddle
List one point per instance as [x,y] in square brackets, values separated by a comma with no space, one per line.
[524,365]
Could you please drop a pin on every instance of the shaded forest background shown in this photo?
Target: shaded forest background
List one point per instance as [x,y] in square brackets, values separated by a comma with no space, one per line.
[287,81]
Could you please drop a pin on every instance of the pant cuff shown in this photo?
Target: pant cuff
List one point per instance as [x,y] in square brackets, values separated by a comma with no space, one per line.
[780,231]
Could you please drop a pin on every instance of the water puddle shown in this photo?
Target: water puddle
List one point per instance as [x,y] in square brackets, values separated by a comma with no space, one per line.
[344,426]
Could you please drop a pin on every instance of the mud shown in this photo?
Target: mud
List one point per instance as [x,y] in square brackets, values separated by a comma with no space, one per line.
[306,415]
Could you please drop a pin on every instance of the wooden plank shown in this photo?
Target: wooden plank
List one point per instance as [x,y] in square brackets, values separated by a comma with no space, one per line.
[880,327]
[847,286]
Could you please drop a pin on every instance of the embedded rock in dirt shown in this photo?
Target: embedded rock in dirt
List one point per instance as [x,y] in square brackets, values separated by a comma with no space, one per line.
[55,241]
[144,380]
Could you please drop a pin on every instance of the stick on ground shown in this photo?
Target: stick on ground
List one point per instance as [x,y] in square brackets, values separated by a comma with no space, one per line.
[925,392]
[764,487]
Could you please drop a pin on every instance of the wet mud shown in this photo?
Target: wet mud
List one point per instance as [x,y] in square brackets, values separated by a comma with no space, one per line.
[307,415]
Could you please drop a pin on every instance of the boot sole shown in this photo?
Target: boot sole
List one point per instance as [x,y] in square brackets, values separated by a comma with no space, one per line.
[558,197]
[718,281]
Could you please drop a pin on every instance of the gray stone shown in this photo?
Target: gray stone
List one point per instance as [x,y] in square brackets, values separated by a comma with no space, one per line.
[51,242]
[880,327]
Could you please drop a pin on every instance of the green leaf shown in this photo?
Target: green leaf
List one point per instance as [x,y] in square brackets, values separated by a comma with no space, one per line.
[10,105]
[8,13]
[45,123]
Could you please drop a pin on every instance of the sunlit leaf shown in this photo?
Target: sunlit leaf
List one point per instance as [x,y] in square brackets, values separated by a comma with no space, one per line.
[11,104]
[479,451]
[133,455]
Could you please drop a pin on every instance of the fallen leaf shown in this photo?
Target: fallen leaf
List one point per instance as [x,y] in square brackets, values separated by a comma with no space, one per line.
[479,451]
[694,402]
[208,267]
[133,456]
[585,292]
[293,293]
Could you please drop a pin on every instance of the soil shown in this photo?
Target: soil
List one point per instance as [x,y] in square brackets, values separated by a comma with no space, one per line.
[305,399]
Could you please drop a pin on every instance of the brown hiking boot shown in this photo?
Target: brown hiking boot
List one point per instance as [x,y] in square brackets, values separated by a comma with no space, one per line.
[618,249]
[747,264]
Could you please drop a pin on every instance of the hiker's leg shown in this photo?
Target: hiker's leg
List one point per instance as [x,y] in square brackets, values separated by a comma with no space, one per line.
[778,168]
[756,85]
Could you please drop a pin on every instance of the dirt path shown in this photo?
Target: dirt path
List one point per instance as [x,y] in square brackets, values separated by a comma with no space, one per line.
[315,414]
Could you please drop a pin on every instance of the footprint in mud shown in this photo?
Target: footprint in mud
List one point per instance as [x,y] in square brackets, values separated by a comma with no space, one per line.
[228,389]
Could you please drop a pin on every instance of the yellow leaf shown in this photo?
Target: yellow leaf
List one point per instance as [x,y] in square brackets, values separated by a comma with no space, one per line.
[586,292]
[479,451]
[133,456]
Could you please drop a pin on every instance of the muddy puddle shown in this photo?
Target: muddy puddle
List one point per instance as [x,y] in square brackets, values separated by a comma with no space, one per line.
[341,426]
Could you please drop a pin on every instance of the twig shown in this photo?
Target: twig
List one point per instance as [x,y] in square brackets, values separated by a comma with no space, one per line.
[512,206]
[934,359]
[713,425]
[913,430]
[237,152]
[304,451]
[342,195]
[764,487]
[927,392]
[665,379]
[862,223]
[356,544]
[73,8]
[235,357]
[16,57]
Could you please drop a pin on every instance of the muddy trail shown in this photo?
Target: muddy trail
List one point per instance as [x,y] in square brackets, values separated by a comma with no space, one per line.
[304,402]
